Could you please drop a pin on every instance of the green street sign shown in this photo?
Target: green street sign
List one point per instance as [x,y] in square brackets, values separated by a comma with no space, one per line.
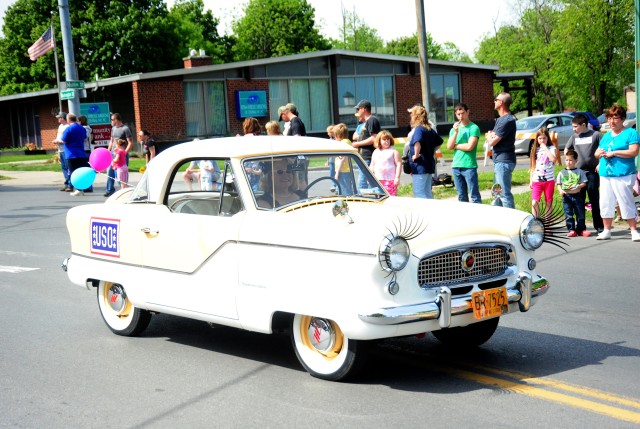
[67,94]
[75,84]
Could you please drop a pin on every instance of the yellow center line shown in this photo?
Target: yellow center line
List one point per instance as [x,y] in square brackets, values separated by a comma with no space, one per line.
[590,392]
[547,395]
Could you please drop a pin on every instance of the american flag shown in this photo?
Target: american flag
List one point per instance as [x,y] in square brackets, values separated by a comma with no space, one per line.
[43,45]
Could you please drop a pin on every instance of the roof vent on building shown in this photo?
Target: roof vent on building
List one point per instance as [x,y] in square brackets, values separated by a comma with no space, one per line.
[196,59]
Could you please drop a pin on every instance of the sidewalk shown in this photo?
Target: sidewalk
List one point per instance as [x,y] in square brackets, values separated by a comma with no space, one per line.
[55,180]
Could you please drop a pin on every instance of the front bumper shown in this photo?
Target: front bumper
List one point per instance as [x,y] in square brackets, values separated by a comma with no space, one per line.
[444,306]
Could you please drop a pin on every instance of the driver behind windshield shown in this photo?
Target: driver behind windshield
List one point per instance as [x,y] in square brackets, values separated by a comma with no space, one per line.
[280,184]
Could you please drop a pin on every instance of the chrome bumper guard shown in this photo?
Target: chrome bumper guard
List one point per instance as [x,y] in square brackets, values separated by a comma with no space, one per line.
[445,306]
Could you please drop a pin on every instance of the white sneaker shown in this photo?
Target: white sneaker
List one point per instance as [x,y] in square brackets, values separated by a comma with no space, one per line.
[76,193]
[635,235]
[604,235]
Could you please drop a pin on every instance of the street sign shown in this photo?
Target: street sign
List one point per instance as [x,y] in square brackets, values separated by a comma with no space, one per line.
[75,84]
[67,94]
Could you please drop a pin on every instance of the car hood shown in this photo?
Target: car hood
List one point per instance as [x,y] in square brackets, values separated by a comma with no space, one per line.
[426,224]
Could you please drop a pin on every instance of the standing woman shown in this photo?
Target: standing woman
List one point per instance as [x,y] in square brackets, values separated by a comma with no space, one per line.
[617,169]
[422,146]
[544,153]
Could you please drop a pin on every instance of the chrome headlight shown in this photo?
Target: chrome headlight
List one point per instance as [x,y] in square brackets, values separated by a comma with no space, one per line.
[394,253]
[531,233]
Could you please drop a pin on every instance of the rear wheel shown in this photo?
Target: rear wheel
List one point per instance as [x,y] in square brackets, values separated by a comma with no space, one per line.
[323,350]
[468,336]
[122,317]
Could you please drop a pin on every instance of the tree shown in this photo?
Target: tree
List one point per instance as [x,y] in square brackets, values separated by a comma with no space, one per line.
[408,47]
[272,28]
[199,30]
[110,38]
[356,35]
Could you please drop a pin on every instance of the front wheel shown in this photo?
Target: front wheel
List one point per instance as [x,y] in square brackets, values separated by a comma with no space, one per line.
[323,350]
[122,317]
[468,336]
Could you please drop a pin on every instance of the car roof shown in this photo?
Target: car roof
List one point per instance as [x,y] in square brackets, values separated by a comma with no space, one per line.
[242,147]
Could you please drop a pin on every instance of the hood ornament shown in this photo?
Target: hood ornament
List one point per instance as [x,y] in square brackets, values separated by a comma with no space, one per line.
[341,209]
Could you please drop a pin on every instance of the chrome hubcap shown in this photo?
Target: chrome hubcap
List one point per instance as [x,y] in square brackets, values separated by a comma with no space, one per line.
[116,298]
[322,336]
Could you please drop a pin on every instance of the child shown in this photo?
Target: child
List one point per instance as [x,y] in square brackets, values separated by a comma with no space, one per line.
[342,168]
[209,173]
[120,163]
[544,153]
[570,181]
[386,163]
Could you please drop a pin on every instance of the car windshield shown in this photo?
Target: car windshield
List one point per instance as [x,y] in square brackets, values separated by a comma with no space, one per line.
[631,115]
[528,123]
[279,181]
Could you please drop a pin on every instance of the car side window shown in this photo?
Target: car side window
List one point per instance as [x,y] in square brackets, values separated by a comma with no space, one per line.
[204,187]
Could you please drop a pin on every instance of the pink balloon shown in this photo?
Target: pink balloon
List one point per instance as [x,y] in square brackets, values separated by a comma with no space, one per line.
[100,159]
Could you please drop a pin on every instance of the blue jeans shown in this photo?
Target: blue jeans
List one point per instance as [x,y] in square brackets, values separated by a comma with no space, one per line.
[466,180]
[573,205]
[64,165]
[592,190]
[362,180]
[502,173]
[422,185]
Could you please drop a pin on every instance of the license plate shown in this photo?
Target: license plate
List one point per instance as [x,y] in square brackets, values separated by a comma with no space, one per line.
[489,303]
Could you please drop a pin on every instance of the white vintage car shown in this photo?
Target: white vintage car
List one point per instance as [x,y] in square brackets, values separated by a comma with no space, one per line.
[272,241]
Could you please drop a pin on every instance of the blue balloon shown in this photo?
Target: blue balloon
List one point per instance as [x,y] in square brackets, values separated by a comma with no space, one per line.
[83,178]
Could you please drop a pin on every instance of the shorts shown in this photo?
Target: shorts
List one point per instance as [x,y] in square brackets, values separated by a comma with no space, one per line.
[537,188]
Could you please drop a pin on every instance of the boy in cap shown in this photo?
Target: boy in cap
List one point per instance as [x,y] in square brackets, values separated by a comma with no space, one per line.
[296,128]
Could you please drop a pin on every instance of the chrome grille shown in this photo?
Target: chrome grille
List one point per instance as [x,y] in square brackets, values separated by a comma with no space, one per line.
[445,269]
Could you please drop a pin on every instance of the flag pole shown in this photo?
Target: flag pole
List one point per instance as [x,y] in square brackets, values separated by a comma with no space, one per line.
[55,58]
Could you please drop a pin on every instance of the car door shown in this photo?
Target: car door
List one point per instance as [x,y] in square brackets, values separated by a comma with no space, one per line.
[190,252]
[564,130]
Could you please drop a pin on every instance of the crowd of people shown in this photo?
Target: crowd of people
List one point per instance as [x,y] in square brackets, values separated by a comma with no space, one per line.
[600,169]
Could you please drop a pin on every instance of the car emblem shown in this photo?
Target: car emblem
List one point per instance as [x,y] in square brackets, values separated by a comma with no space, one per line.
[468,260]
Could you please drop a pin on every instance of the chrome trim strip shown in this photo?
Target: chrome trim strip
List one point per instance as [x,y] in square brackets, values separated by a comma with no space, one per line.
[457,306]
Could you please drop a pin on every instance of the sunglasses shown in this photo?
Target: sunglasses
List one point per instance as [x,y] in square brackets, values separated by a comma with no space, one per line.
[281,172]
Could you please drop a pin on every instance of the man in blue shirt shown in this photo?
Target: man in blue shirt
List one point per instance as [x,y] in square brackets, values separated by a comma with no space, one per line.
[502,141]
[73,138]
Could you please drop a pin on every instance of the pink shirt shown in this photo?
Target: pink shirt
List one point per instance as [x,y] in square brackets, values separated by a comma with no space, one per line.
[384,164]
[122,158]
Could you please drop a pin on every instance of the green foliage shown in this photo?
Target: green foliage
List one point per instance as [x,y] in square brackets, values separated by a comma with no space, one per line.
[579,50]
[273,28]
[408,46]
[356,35]
[199,30]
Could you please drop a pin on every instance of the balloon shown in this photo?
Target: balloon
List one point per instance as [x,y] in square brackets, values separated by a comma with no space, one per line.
[83,177]
[100,159]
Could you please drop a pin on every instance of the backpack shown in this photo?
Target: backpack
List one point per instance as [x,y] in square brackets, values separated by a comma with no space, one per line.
[443,179]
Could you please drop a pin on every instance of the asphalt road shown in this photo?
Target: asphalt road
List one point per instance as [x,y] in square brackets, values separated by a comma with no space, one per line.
[570,362]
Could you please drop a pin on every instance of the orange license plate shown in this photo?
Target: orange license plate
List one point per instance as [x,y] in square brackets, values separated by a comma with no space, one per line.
[489,303]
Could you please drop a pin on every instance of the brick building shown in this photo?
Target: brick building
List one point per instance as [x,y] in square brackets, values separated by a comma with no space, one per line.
[205,100]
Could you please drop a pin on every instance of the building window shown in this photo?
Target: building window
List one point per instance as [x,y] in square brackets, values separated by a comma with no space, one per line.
[378,90]
[311,97]
[445,94]
[205,109]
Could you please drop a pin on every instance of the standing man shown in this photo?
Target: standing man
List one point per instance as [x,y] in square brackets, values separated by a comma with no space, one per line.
[502,141]
[118,131]
[367,135]
[368,132]
[148,145]
[585,142]
[62,121]
[73,138]
[463,139]
[296,126]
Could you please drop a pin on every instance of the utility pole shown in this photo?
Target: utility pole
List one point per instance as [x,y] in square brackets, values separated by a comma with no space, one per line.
[424,57]
[67,49]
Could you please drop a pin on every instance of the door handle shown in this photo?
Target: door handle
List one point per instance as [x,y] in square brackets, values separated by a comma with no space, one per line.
[150,231]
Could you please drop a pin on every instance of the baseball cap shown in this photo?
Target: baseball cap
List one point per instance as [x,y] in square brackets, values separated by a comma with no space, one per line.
[280,110]
[364,103]
[291,108]
[62,115]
